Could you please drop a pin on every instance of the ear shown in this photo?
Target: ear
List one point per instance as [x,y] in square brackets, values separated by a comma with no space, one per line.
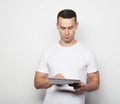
[77,23]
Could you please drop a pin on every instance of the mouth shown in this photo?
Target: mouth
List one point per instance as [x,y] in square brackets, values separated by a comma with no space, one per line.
[67,37]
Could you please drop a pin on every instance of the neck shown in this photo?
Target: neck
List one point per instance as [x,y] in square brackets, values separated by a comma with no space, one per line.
[67,44]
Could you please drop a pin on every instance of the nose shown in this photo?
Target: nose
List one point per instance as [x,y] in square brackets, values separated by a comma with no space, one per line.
[66,31]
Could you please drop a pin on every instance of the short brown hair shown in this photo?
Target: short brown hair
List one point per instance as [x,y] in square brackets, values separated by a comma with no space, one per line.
[67,13]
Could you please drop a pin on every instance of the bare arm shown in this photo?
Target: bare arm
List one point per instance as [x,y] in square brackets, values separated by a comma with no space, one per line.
[93,83]
[41,81]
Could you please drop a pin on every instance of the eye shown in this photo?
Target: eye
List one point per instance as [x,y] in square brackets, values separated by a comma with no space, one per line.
[71,27]
[62,28]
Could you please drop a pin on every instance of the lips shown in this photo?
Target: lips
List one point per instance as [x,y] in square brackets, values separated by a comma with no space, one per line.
[67,37]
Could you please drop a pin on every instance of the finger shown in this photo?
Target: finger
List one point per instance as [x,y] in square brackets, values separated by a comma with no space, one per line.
[59,76]
[77,90]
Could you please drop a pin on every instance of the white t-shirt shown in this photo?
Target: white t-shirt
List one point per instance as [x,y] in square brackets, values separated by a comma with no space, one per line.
[73,62]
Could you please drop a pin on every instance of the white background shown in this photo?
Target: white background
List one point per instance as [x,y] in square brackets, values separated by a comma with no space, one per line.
[28,26]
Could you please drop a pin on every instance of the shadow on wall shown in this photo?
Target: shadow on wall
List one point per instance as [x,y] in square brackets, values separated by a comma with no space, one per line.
[41,94]
[92,96]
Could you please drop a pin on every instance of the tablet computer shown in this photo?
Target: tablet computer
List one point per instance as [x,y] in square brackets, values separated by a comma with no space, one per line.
[63,81]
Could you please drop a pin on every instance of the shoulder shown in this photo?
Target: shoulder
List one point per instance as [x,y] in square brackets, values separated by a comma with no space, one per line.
[84,48]
[86,51]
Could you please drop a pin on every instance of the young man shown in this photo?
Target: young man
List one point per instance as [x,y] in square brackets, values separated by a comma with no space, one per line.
[68,59]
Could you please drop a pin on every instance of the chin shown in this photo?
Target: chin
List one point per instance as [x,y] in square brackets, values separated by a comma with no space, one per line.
[67,41]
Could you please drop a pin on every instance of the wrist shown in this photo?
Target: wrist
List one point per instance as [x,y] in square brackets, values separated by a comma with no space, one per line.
[85,88]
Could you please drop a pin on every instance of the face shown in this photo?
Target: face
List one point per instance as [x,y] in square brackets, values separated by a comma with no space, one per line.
[67,29]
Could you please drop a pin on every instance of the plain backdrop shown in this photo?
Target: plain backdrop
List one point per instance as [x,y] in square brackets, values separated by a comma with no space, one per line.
[28,26]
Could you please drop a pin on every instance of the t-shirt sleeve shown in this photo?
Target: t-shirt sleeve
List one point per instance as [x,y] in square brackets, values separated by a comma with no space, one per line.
[42,66]
[92,65]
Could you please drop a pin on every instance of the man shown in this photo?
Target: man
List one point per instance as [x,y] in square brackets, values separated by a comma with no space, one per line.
[68,59]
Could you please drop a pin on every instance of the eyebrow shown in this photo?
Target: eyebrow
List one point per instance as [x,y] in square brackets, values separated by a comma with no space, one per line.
[68,27]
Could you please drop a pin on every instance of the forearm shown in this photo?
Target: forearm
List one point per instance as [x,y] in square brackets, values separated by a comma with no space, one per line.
[93,82]
[42,83]
[92,86]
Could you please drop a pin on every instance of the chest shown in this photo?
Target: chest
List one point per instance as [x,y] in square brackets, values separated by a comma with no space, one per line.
[67,63]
